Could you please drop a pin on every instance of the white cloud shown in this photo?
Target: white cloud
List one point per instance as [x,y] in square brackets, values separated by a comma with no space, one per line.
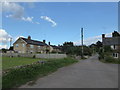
[29,19]
[3,46]
[20,0]
[37,22]
[62,0]
[92,40]
[15,10]
[4,38]
[49,20]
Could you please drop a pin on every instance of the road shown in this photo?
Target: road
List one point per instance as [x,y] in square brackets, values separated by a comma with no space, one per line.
[89,73]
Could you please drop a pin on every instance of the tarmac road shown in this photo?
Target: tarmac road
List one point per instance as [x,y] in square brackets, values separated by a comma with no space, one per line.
[89,73]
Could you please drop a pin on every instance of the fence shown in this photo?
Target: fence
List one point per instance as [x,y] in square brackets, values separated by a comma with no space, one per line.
[35,55]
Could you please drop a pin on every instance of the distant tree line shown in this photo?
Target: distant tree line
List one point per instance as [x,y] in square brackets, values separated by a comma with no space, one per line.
[70,49]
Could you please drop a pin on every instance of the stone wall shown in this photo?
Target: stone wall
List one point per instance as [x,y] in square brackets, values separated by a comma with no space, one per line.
[35,55]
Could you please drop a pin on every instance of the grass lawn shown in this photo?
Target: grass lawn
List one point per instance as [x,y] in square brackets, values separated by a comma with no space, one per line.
[8,62]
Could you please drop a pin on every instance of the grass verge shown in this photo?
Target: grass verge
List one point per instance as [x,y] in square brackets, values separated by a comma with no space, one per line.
[19,76]
[8,62]
[109,59]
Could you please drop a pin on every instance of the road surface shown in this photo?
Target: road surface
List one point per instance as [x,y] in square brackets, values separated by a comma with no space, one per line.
[89,73]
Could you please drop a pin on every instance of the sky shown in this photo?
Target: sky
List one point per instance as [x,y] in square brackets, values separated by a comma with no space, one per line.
[58,22]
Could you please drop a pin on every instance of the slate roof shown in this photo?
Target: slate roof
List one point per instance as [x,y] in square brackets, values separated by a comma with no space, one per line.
[34,42]
[55,47]
[111,41]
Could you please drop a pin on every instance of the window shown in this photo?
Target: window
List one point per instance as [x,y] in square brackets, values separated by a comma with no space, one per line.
[38,47]
[31,51]
[112,46]
[115,55]
[31,46]
[17,45]
[23,45]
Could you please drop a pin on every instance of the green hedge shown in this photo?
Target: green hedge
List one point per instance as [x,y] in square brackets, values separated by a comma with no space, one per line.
[17,77]
[110,59]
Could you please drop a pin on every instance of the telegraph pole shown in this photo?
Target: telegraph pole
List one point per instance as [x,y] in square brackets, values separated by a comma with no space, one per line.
[82,42]
[10,47]
[10,42]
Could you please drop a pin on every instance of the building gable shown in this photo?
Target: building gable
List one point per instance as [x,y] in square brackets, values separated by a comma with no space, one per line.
[19,40]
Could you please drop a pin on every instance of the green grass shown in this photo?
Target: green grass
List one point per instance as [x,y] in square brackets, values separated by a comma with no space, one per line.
[19,76]
[8,62]
[109,59]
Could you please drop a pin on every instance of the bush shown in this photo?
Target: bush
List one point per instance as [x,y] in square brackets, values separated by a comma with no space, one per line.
[101,56]
[34,56]
[109,59]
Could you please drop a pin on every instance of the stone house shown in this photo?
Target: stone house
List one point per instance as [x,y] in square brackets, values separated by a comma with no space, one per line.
[113,42]
[27,45]
[54,48]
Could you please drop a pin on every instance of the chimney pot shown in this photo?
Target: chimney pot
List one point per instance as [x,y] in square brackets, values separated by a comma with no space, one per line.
[43,41]
[48,43]
[29,37]
[103,35]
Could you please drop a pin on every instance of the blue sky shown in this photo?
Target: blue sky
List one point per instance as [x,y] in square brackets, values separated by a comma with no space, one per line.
[60,22]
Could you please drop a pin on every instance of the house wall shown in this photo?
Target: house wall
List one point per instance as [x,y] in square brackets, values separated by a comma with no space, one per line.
[35,48]
[28,48]
[114,42]
[56,50]
[20,48]
[50,48]
[31,48]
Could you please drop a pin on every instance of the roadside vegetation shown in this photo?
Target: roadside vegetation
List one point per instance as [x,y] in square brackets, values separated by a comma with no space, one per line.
[70,49]
[110,59]
[18,76]
[106,56]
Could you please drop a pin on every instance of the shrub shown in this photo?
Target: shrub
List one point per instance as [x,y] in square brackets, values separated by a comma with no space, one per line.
[34,56]
[109,59]
[101,56]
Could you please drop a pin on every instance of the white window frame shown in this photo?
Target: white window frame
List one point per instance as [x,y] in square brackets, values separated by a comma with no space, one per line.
[112,47]
[115,55]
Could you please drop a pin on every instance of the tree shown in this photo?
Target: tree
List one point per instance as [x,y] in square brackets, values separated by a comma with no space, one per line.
[98,46]
[68,44]
[4,50]
[70,49]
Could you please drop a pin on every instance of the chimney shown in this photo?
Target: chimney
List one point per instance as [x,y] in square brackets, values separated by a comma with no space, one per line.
[43,41]
[29,37]
[48,43]
[103,35]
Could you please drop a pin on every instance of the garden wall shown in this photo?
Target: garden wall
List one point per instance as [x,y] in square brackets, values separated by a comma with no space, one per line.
[35,55]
